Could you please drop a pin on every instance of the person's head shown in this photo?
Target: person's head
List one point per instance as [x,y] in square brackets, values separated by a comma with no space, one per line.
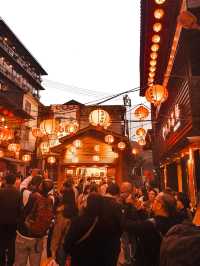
[126,189]
[94,205]
[152,195]
[182,201]
[46,186]
[113,189]
[86,190]
[169,190]
[35,182]
[10,179]
[164,205]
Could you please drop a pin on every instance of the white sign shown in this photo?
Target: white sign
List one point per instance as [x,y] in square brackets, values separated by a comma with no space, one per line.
[173,122]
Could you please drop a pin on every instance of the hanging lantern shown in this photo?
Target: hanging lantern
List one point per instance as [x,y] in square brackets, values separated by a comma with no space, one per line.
[141,112]
[75,159]
[134,151]
[26,157]
[140,132]
[44,147]
[121,145]
[97,148]
[6,134]
[51,159]
[109,139]
[159,13]
[96,158]
[160,2]
[49,126]
[156,38]
[1,153]
[37,133]
[188,20]
[72,127]
[67,128]
[141,142]
[77,143]
[157,27]
[99,117]
[14,147]
[153,55]
[72,149]
[156,94]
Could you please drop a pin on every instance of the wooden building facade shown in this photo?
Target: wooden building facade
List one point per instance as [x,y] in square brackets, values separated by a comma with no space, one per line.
[176,123]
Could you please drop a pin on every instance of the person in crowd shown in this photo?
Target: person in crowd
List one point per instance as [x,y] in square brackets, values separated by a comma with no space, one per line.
[149,203]
[10,207]
[183,207]
[103,187]
[64,214]
[151,231]
[82,199]
[34,224]
[180,246]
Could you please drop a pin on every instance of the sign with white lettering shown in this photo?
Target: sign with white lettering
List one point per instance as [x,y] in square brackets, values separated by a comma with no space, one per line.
[173,122]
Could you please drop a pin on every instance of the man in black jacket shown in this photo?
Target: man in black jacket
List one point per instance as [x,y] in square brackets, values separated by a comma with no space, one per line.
[9,216]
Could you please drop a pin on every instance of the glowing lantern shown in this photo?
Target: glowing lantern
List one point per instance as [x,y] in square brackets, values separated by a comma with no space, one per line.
[141,112]
[6,134]
[157,27]
[141,142]
[155,47]
[77,143]
[140,132]
[158,13]
[44,147]
[121,145]
[153,55]
[49,126]
[96,158]
[72,127]
[109,139]
[150,80]
[160,2]
[51,159]
[99,117]
[152,74]
[72,149]
[134,151]
[37,133]
[75,159]
[97,148]
[26,157]
[14,147]
[156,94]
[156,38]
[187,20]
[152,69]
[153,63]
[1,153]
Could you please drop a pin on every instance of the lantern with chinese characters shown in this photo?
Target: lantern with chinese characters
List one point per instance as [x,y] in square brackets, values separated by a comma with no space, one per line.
[141,112]
[6,134]
[97,147]
[1,153]
[14,147]
[44,147]
[49,126]
[99,117]
[77,143]
[37,133]
[96,158]
[121,145]
[141,142]
[140,132]
[109,139]
[51,159]
[26,158]
[156,94]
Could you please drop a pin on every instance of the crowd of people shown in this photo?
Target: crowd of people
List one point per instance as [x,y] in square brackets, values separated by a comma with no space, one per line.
[91,224]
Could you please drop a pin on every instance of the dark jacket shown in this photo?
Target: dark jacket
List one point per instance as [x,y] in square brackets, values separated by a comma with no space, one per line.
[180,246]
[150,234]
[9,205]
[102,246]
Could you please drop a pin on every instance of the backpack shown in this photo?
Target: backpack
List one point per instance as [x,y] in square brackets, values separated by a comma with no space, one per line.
[39,219]
[180,246]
